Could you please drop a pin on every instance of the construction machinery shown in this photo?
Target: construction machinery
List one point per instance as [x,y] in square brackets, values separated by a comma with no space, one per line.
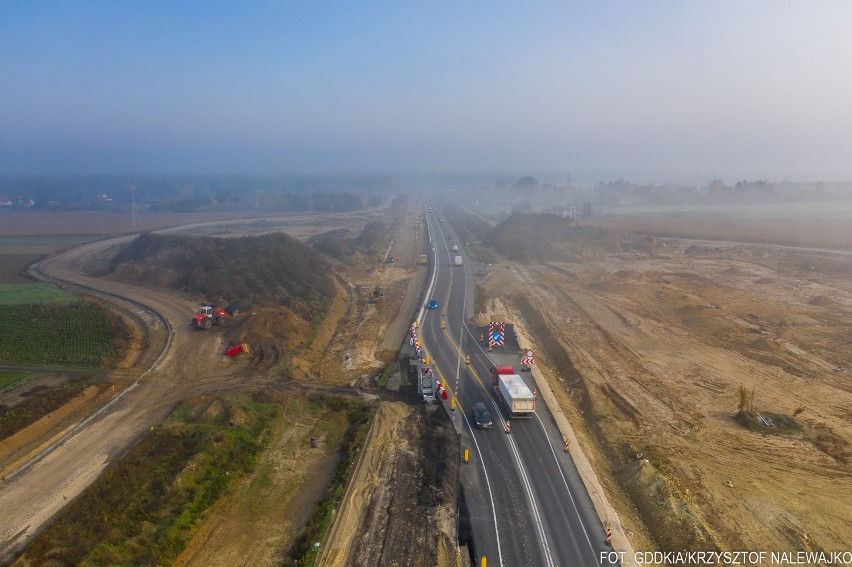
[234,350]
[208,315]
[377,295]
[426,375]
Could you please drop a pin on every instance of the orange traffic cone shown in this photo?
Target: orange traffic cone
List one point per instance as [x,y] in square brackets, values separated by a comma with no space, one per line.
[508,426]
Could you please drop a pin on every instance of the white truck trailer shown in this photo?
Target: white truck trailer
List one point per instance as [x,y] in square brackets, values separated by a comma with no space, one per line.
[515,395]
[457,261]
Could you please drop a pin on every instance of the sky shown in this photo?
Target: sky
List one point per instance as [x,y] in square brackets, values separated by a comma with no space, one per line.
[656,90]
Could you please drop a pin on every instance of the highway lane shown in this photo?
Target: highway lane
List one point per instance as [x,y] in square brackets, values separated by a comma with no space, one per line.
[504,530]
[538,511]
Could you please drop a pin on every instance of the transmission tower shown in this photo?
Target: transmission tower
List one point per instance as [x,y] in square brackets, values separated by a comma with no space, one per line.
[310,201]
[134,210]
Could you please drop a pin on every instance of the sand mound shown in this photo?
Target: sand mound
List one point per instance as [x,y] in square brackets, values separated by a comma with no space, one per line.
[822,301]
[764,281]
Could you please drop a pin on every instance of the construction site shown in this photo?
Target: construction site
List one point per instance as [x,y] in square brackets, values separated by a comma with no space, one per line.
[707,383]
[710,382]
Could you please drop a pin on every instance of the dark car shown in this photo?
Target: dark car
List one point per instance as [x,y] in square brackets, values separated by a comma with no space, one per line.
[481,416]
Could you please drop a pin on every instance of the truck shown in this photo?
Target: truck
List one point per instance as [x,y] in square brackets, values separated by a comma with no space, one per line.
[512,392]
[457,261]
[426,381]
[455,247]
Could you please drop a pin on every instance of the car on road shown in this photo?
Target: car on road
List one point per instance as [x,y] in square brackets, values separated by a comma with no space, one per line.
[433,304]
[481,416]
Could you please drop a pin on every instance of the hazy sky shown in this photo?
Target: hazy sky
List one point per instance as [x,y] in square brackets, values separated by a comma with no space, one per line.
[739,89]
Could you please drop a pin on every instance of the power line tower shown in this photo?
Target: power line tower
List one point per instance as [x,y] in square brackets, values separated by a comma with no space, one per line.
[134,210]
[310,200]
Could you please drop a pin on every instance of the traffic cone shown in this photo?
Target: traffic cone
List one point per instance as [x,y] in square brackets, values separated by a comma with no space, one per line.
[609,536]
[567,444]
[508,426]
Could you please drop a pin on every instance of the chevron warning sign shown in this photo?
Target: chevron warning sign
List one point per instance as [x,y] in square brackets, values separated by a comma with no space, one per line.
[496,333]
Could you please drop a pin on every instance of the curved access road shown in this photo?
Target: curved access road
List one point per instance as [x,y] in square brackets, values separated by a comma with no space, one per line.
[36,487]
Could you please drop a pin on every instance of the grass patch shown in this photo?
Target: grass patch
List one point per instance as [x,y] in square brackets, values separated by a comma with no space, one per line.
[479,299]
[101,262]
[74,335]
[7,378]
[782,423]
[385,376]
[40,402]
[351,427]
[389,359]
[34,293]
[146,507]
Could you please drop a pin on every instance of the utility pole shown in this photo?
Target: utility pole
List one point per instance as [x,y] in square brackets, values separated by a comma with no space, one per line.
[134,210]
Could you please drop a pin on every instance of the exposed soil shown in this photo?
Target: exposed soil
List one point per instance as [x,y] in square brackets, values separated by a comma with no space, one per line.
[646,353]
[399,505]
[351,347]
[257,522]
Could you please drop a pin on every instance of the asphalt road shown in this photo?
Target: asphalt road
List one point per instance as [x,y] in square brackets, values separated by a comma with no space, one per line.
[525,499]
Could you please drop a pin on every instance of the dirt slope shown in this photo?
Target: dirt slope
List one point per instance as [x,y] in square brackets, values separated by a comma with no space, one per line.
[651,349]
[193,366]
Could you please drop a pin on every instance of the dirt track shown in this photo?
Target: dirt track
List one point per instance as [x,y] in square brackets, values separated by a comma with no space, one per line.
[356,339]
[34,495]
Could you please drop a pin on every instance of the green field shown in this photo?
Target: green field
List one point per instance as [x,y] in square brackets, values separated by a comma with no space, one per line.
[7,378]
[33,293]
[67,334]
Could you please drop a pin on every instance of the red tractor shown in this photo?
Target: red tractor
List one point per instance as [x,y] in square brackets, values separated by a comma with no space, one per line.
[209,315]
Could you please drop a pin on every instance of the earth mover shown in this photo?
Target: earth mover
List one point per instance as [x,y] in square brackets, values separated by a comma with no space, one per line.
[208,315]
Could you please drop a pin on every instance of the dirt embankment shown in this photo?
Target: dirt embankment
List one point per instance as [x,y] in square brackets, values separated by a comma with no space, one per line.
[649,350]
[407,469]
[259,520]
[347,348]
[399,505]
